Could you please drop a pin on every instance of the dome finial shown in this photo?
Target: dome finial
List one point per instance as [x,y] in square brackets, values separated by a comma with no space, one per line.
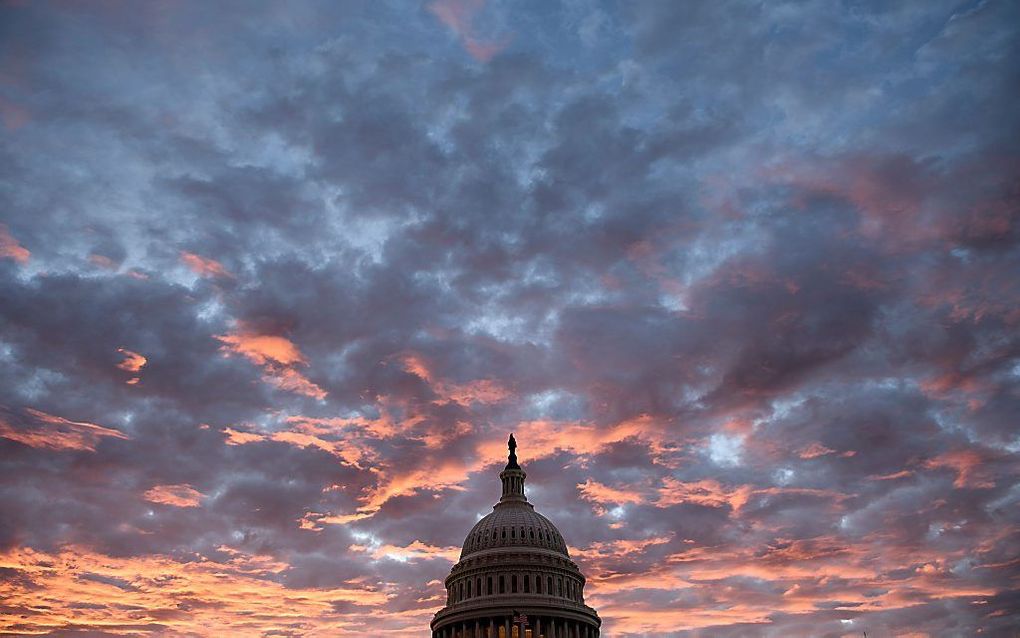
[512,444]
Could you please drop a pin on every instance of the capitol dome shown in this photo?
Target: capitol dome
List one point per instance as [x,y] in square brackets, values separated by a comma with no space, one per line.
[516,524]
[515,578]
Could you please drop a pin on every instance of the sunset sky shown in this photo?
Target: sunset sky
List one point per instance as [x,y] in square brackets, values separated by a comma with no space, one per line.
[277,279]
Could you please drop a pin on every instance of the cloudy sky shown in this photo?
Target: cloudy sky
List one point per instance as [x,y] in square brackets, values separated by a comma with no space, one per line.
[277,280]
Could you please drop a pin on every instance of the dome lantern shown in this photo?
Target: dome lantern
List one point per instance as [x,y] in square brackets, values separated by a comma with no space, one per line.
[513,476]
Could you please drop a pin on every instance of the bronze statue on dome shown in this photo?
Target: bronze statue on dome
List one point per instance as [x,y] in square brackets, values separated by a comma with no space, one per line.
[512,444]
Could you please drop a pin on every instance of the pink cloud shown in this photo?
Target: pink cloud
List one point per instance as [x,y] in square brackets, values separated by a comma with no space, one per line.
[814,450]
[969,465]
[102,261]
[204,266]
[133,362]
[599,493]
[278,356]
[10,248]
[459,17]
[79,586]
[57,433]
[175,495]
[483,391]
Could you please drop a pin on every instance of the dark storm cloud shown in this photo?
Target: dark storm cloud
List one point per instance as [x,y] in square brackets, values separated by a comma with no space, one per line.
[276,281]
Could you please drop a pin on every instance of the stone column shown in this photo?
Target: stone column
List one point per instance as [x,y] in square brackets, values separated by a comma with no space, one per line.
[506,624]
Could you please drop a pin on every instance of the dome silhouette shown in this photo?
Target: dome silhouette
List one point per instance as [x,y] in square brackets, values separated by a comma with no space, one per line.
[515,578]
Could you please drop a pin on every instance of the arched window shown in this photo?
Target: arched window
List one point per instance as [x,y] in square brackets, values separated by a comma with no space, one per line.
[504,533]
[460,592]
[469,589]
[549,589]
[531,533]
[478,586]
[489,586]
[559,587]
[538,584]
[513,533]
[513,584]
[527,583]
[502,585]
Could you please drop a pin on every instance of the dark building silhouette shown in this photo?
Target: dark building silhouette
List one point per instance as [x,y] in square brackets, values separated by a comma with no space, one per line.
[515,578]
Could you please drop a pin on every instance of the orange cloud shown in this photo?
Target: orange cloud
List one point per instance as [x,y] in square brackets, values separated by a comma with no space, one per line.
[619,548]
[710,493]
[237,437]
[278,356]
[263,349]
[242,595]
[10,248]
[325,434]
[861,576]
[133,362]
[484,391]
[547,438]
[891,477]
[291,380]
[204,266]
[315,520]
[102,261]
[599,493]
[814,451]
[479,391]
[967,464]
[176,495]
[57,433]
[707,492]
[459,17]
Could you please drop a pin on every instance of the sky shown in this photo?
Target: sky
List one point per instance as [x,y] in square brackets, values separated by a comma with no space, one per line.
[277,279]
